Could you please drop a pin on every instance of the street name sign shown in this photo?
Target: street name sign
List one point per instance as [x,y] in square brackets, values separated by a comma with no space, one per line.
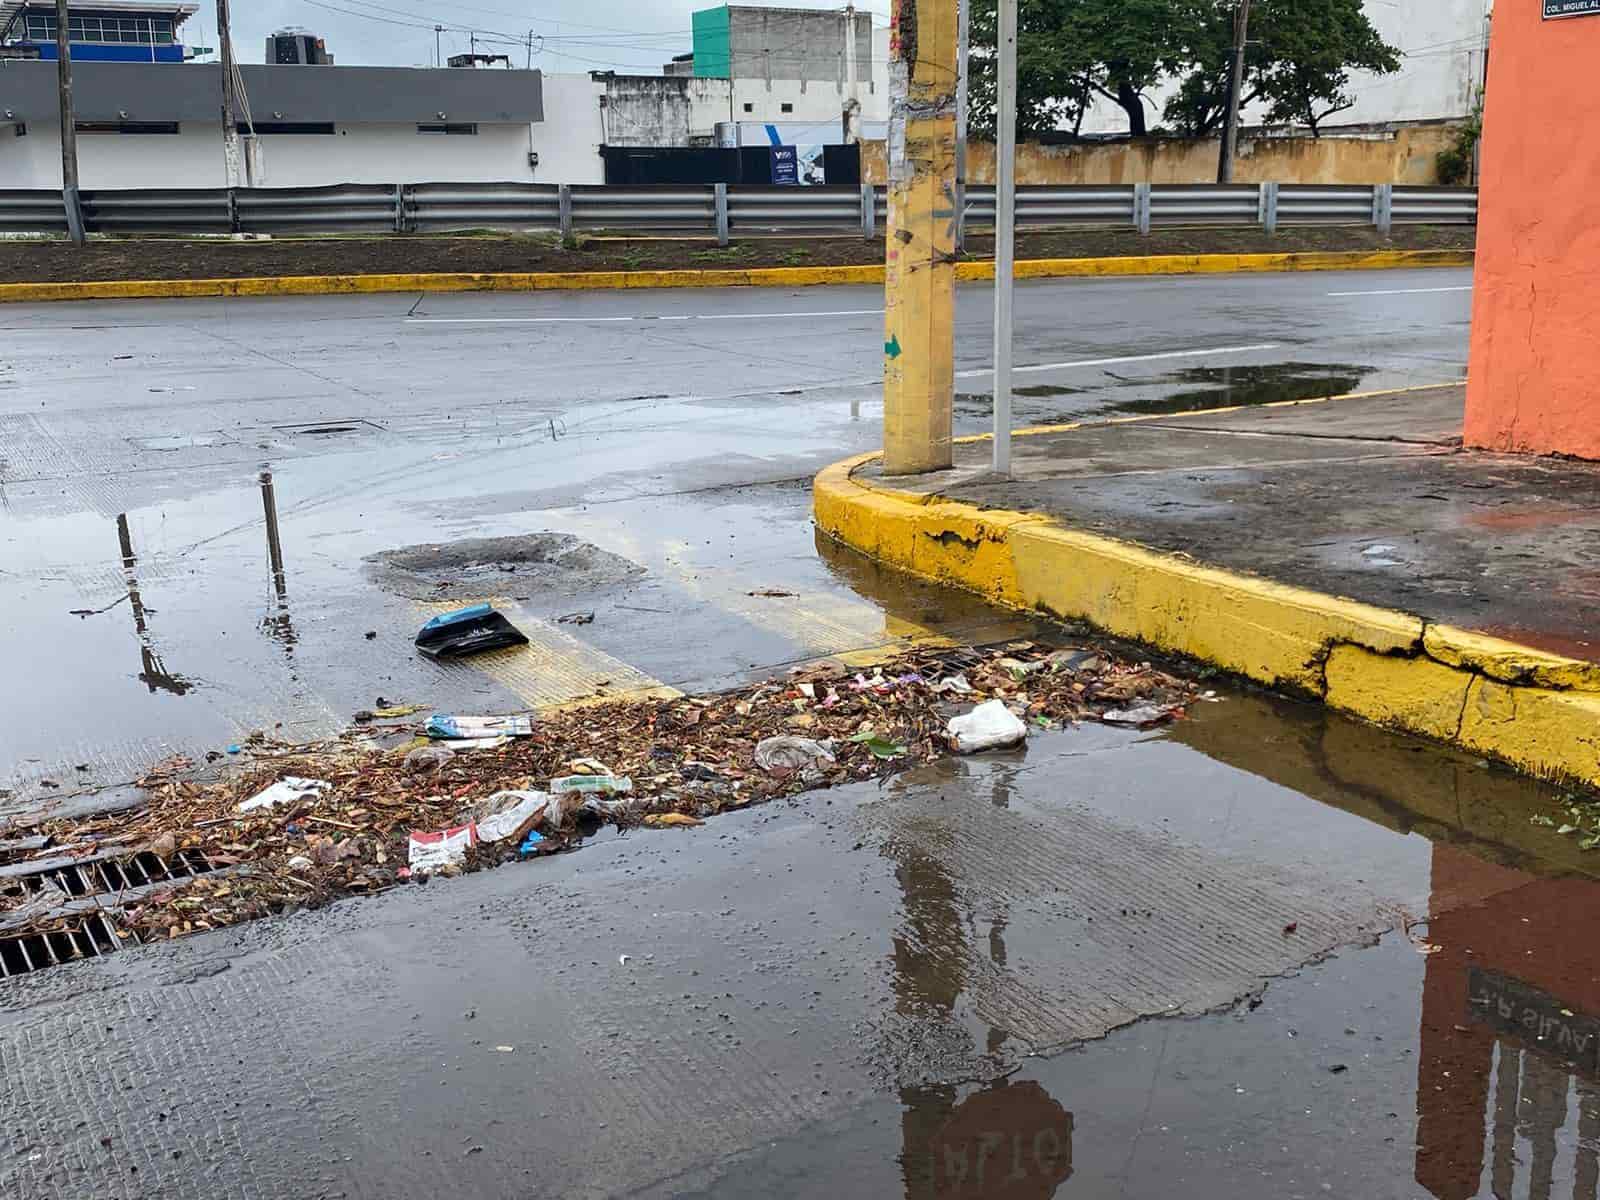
[1571,8]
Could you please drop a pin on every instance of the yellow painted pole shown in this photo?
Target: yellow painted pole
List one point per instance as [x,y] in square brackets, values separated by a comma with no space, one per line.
[920,281]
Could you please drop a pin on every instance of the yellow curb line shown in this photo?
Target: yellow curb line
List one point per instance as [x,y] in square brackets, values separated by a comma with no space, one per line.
[1043,268]
[1539,712]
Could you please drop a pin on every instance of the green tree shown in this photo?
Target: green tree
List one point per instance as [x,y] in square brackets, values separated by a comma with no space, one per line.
[1299,60]
[1069,51]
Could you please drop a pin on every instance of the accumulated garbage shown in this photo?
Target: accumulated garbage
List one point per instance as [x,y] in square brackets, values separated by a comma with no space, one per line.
[1143,716]
[431,852]
[788,753]
[451,727]
[294,825]
[427,758]
[604,784]
[988,727]
[288,789]
[468,631]
[515,814]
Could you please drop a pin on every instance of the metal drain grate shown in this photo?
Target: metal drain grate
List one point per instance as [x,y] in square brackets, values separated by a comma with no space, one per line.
[92,937]
[99,876]
[86,897]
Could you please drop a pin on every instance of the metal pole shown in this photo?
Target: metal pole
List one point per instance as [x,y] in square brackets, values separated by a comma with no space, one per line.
[1005,229]
[438,59]
[963,44]
[852,100]
[69,128]
[1230,119]
[230,103]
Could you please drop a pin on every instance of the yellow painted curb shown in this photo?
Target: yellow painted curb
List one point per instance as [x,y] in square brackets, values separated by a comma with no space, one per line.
[1043,268]
[1537,711]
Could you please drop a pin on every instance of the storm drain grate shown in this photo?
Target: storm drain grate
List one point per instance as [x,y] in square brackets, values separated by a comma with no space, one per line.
[330,428]
[97,877]
[92,937]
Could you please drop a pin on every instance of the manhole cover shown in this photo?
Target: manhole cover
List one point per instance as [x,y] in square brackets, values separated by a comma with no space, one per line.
[475,567]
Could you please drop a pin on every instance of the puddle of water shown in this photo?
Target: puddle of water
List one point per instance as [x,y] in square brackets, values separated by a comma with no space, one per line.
[1224,387]
[1462,1060]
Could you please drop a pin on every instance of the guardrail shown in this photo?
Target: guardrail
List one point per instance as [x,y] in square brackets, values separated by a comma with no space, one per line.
[713,209]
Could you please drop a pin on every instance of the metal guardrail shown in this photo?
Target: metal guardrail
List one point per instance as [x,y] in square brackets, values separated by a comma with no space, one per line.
[717,209]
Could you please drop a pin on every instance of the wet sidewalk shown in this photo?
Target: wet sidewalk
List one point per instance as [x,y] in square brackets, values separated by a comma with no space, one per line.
[1371,497]
[1349,549]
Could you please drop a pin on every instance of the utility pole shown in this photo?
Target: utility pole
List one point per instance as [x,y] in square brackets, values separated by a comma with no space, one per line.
[852,102]
[1230,119]
[1005,228]
[920,272]
[69,128]
[230,101]
[438,60]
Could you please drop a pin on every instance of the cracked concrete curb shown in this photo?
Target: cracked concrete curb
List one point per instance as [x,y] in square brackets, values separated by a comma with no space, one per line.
[969,271]
[1538,712]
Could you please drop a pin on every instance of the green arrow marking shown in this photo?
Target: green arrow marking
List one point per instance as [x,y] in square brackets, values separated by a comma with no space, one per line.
[892,346]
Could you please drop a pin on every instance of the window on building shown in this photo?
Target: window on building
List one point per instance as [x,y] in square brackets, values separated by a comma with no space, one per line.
[126,126]
[463,127]
[786,108]
[749,108]
[313,127]
[136,31]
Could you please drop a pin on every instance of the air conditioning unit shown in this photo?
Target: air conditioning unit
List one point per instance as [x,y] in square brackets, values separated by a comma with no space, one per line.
[296,47]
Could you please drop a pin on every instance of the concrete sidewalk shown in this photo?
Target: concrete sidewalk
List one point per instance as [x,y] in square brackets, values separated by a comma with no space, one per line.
[1348,549]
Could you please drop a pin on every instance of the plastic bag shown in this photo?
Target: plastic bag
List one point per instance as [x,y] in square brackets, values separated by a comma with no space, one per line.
[427,758]
[431,852]
[792,754]
[290,787]
[510,814]
[987,727]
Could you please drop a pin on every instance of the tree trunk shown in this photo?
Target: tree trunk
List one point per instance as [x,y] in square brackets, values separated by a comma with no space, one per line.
[1133,104]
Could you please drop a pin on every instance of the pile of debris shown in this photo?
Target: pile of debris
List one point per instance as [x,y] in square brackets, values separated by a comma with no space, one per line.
[392,799]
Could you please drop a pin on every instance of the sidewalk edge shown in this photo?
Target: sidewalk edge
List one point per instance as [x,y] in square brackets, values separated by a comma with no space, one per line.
[1042,268]
[1536,711]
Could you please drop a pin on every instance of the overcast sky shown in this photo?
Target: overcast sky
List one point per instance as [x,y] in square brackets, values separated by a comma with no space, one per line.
[570,36]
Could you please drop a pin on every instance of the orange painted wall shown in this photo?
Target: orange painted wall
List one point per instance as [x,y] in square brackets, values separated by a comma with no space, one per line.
[1534,377]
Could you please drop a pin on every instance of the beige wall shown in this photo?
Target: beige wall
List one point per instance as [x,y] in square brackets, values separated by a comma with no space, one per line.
[1403,156]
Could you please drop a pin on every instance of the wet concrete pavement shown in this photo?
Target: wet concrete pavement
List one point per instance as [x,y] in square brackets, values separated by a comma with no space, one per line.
[1370,987]
[1068,971]
[1371,497]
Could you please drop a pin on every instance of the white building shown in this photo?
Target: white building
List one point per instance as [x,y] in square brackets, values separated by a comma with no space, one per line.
[1443,48]
[157,125]
[757,74]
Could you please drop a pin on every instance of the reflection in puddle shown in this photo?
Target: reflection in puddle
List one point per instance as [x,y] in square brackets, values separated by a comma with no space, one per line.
[153,672]
[1225,387]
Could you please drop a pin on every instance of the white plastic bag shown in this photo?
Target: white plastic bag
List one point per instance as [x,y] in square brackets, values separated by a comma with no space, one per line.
[431,852]
[987,727]
[510,814]
[290,787]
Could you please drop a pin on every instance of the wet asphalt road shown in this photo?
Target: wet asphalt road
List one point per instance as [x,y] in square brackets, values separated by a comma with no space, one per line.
[1065,972]
[676,429]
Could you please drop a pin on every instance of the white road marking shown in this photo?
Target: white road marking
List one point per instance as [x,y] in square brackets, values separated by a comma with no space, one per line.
[774,316]
[1405,291]
[1128,358]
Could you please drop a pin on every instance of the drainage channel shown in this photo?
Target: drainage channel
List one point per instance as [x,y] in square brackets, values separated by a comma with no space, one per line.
[91,892]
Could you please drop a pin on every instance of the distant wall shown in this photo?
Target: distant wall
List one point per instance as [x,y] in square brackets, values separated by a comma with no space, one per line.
[662,110]
[1402,156]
